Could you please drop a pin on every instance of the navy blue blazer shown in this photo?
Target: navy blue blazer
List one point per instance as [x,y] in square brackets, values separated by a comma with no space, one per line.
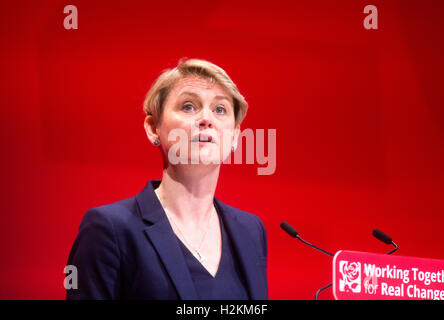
[128,250]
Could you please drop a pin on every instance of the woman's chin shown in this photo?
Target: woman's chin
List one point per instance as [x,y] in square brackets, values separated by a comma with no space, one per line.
[205,159]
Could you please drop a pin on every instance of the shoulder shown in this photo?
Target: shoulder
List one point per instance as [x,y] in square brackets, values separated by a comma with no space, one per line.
[248,220]
[250,224]
[241,216]
[119,213]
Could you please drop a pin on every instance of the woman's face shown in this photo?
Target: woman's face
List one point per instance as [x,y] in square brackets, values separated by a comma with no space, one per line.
[198,117]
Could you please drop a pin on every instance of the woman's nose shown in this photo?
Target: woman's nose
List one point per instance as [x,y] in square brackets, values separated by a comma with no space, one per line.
[205,119]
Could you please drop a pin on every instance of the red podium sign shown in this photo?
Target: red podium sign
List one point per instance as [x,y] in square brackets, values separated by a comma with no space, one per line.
[369,276]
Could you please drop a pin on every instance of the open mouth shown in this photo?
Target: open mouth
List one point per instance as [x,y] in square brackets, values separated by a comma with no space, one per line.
[203,138]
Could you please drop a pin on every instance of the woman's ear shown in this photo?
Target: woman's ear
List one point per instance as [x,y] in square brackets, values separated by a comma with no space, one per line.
[151,130]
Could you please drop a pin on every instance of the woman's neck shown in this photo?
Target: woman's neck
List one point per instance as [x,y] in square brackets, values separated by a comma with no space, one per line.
[187,192]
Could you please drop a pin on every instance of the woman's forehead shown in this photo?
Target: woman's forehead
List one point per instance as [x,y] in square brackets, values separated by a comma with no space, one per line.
[198,86]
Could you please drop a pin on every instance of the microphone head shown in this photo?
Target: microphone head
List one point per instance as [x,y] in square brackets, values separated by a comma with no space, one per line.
[378,234]
[289,229]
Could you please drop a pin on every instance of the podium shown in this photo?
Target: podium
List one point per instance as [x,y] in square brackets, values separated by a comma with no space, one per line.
[369,276]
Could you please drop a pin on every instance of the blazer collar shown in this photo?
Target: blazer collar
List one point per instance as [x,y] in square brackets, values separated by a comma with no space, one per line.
[165,242]
[246,252]
[151,209]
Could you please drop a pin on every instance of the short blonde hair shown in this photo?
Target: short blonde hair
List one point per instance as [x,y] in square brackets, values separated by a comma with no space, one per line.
[157,94]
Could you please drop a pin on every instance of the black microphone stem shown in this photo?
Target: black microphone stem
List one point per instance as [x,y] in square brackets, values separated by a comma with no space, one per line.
[293,233]
[314,247]
[322,289]
[396,248]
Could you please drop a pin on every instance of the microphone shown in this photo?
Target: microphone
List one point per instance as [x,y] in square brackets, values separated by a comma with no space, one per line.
[294,234]
[381,236]
[289,229]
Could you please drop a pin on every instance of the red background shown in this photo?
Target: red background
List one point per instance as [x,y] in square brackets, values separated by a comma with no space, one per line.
[358,113]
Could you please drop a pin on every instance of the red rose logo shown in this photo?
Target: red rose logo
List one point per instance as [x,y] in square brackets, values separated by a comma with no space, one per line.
[351,276]
[350,272]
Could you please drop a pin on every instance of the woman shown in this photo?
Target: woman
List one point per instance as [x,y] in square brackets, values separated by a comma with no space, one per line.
[175,240]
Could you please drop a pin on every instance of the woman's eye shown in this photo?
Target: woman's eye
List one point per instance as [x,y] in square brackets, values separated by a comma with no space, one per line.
[220,110]
[188,107]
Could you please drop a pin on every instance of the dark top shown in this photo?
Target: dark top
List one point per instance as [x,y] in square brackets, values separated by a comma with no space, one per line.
[128,250]
[227,283]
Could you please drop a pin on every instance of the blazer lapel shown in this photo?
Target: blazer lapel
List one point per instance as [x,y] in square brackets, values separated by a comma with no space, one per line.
[246,253]
[164,241]
[172,258]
